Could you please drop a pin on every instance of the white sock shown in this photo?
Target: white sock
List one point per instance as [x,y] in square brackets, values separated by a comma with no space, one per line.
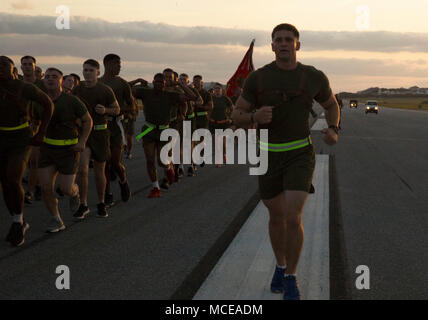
[281,267]
[18,218]
[294,275]
[156,184]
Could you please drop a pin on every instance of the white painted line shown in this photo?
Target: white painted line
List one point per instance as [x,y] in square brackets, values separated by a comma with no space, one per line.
[319,125]
[245,270]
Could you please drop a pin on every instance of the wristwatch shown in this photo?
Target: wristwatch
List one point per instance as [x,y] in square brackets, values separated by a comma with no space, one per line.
[335,128]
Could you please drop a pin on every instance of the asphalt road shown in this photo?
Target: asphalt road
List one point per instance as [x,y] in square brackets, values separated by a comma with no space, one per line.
[381,181]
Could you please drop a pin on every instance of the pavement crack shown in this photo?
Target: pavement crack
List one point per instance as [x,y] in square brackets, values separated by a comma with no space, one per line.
[404,182]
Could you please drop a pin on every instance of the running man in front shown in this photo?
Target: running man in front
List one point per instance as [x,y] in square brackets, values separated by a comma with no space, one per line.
[101,103]
[124,97]
[16,139]
[157,110]
[282,92]
[60,153]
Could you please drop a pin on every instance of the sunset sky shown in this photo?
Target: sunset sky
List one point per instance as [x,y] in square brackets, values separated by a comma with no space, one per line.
[387,48]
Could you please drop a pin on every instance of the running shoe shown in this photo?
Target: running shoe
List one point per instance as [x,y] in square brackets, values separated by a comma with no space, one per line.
[55,225]
[170,174]
[124,191]
[102,212]
[28,198]
[165,184]
[190,172]
[108,199]
[155,193]
[291,288]
[180,172]
[16,235]
[81,212]
[277,284]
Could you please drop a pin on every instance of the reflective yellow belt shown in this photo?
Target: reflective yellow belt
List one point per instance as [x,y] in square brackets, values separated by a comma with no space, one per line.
[281,147]
[191,116]
[21,126]
[65,142]
[151,127]
[100,127]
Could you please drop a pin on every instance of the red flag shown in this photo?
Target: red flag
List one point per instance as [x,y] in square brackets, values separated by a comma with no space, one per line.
[244,69]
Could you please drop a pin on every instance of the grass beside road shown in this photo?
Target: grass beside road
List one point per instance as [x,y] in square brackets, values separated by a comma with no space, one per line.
[413,103]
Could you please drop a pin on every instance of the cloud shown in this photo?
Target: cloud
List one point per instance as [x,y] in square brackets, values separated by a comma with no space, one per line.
[22,5]
[144,31]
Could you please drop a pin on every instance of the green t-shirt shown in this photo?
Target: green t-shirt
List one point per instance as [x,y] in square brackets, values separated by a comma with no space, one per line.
[15,101]
[36,109]
[157,107]
[206,97]
[222,108]
[175,108]
[272,86]
[99,94]
[122,91]
[68,108]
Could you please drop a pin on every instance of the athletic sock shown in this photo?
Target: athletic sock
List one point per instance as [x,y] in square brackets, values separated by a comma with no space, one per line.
[156,184]
[18,218]
[294,275]
[281,267]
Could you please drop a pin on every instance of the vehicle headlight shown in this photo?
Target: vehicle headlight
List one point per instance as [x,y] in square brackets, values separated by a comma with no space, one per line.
[376,108]
[367,108]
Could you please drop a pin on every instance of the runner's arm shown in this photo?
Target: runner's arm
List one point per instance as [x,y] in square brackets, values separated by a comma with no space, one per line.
[241,114]
[331,111]
[86,128]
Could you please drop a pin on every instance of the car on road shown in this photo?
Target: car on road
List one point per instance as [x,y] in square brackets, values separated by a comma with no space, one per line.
[372,107]
[353,104]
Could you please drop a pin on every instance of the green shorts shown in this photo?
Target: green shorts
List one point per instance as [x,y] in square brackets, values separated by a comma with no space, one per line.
[289,170]
[129,126]
[99,143]
[116,139]
[153,137]
[14,146]
[65,160]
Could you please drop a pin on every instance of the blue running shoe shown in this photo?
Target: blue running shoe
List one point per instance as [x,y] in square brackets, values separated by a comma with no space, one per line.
[291,289]
[277,284]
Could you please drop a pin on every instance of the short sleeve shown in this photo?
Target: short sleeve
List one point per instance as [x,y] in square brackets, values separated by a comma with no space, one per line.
[324,92]
[249,92]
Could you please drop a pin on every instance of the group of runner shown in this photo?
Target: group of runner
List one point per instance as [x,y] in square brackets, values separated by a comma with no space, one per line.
[60,126]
